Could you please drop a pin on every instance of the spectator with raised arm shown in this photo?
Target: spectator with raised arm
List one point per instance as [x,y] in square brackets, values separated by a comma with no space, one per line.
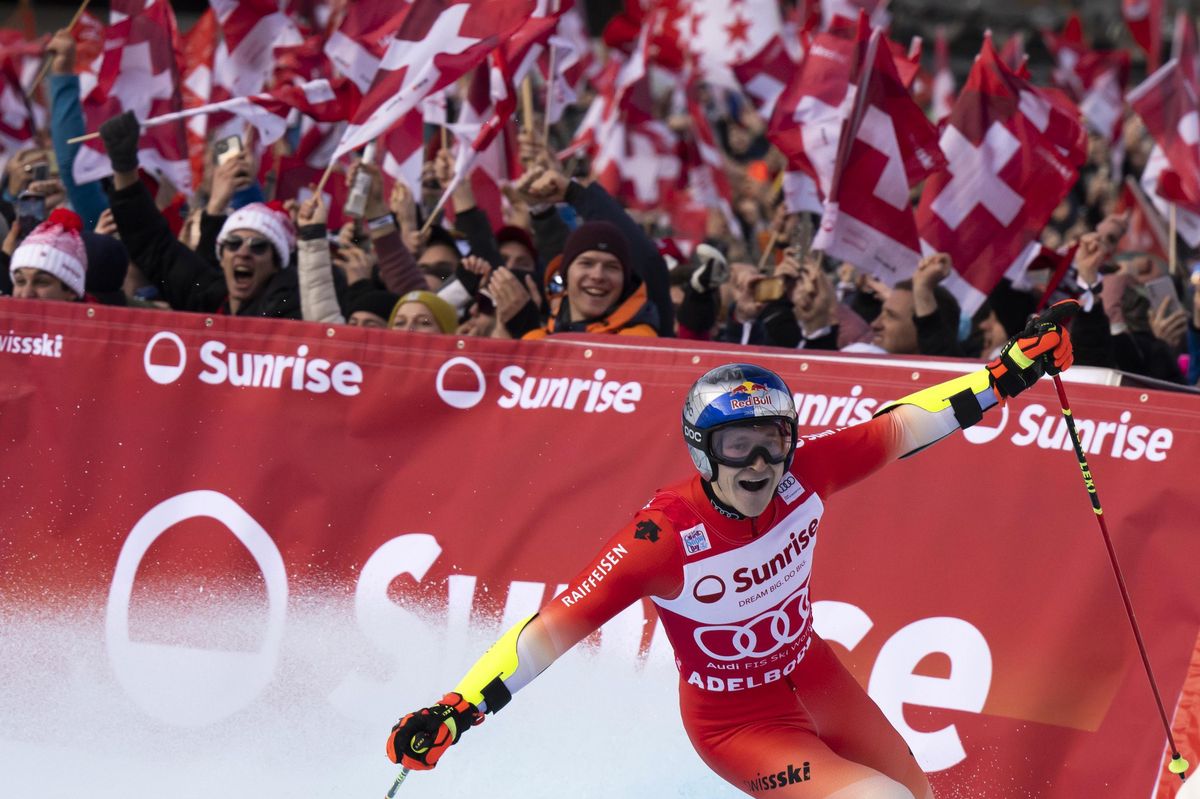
[544,185]
[255,244]
[67,122]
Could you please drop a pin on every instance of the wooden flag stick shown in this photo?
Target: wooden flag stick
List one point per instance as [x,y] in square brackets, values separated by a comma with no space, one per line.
[434,215]
[770,248]
[46,64]
[527,103]
[324,178]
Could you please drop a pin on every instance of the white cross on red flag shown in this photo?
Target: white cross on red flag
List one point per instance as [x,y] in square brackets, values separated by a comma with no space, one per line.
[140,74]
[251,30]
[16,116]
[438,42]
[806,125]
[1168,105]
[358,44]
[887,147]
[1144,20]
[1012,156]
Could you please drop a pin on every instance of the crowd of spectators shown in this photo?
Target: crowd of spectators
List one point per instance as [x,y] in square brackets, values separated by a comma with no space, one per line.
[570,258]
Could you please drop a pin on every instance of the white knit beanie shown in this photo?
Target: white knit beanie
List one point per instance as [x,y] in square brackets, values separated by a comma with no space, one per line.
[55,246]
[269,219]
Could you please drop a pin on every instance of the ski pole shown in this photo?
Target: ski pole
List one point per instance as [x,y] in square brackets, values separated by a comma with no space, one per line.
[418,743]
[399,781]
[1178,764]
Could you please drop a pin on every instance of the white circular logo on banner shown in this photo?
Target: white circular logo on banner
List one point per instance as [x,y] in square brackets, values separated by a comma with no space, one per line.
[185,686]
[458,398]
[982,434]
[165,374]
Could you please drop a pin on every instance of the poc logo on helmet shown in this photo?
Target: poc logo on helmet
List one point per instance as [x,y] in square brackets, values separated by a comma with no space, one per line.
[691,434]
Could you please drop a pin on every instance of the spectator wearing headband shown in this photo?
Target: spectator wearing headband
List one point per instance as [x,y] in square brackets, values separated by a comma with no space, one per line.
[51,263]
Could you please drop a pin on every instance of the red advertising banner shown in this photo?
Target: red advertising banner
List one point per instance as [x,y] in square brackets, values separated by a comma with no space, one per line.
[234,551]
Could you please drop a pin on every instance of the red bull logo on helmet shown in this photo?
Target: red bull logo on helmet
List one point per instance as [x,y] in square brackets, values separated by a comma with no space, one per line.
[748,394]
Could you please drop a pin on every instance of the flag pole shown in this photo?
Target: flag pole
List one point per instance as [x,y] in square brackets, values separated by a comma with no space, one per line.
[46,64]
[527,103]
[325,177]
[1172,248]
[173,116]
[549,95]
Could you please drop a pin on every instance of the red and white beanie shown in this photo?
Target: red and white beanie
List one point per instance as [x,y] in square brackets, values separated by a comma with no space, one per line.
[55,246]
[270,220]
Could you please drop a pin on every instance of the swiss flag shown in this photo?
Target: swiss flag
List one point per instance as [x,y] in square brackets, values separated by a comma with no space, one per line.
[1013,155]
[196,81]
[1145,232]
[942,91]
[16,117]
[139,73]
[887,147]
[1187,224]
[1167,103]
[1105,75]
[358,44]
[1144,19]
[403,150]
[707,181]
[1067,47]
[487,153]
[573,60]
[1184,48]
[766,74]
[806,125]
[438,42]
[252,29]
[634,155]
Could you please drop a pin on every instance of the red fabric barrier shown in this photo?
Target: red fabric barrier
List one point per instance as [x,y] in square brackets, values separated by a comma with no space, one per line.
[968,587]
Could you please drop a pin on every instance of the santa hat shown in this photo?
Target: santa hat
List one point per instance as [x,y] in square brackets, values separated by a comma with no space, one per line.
[268,219]
[55,246]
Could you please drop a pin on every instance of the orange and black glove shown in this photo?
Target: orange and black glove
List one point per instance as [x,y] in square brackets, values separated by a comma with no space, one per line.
[420,739]
[1043,347]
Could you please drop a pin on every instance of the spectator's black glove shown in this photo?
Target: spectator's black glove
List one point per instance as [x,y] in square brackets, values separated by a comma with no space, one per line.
[120,136]
[712,271]
[470,281]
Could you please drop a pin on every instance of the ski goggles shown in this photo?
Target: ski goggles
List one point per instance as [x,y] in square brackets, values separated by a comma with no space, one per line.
[741,443]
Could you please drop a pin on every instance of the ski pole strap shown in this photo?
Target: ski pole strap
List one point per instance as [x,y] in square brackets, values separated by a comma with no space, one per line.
[966,407]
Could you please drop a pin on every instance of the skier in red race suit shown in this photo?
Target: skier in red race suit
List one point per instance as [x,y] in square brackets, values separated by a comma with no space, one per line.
[726,557]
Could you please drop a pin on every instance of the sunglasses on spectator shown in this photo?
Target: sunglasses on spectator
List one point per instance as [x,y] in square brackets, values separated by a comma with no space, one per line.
[257,246]
[443,270]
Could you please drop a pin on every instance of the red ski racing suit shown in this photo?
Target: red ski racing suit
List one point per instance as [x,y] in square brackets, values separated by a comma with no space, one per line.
[764,700]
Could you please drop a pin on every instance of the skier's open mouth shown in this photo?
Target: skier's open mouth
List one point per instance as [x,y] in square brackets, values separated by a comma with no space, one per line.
[754,485]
